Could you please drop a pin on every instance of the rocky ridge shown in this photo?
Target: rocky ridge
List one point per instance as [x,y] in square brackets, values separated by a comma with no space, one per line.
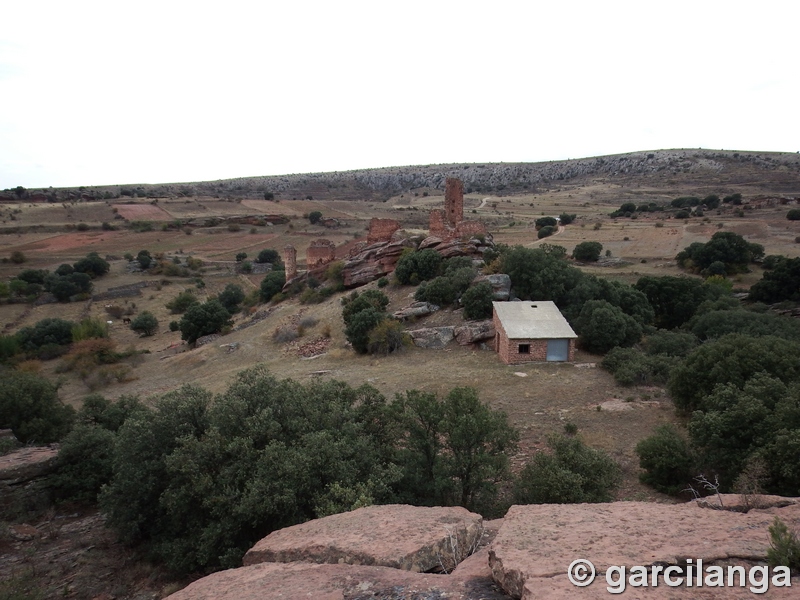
[523,556]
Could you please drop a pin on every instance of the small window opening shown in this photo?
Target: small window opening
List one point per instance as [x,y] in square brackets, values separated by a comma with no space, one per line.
[524,349]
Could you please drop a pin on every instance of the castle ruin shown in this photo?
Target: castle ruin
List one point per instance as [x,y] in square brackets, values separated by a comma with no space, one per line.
[449,223]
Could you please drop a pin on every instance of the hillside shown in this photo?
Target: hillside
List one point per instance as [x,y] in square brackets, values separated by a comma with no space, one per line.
[681,170]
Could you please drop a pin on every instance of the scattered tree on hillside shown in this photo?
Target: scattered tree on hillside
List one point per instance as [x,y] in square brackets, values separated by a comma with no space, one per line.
[145,323]
[587,251]
[315,217]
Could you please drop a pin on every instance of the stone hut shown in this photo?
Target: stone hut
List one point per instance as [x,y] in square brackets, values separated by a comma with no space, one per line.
[532,332]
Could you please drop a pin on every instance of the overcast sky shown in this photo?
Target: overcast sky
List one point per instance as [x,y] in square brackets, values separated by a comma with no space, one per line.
[106,92]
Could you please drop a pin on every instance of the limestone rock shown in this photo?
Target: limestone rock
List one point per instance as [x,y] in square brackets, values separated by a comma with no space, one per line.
[27,463]
[473,332]
[267,581]
[536,544]
[415,310]
[501,285]
[411,538]
[432,337]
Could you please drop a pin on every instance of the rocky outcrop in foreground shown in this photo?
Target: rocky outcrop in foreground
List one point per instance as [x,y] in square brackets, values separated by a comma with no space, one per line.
[527,559]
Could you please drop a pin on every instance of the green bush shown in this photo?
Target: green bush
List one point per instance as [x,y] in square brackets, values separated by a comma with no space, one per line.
[601,326]
[92,265]
[315,217]
[546,222]
[383,282]
[784,547]
[203,319]
[794,214]
[414,267]
[268,255]
[272,284]
[180,303]
[144,258]
[546,231]
[587,251]
[386,337]
[571,473]
[231,297]
[630,366]
[477,301]
[359,327]
[145,324]
[47,332]
[30,407]
[667,460]
[89,328]
[84,464]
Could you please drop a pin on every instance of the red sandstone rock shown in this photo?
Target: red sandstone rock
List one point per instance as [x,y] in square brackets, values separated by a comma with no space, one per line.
[473,332]
[27,463]
[432,337]
[268,581]
[411,538]
[536,544]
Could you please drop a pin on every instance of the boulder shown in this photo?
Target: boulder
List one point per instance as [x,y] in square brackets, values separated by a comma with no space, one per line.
[28,463]
[432,337]
[410,538]
[501,285]
[536,544]
[473,332]
[415,310]
[266,581]
[373,261]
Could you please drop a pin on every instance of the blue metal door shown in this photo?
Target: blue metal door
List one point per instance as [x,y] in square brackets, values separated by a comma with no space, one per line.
[557,350]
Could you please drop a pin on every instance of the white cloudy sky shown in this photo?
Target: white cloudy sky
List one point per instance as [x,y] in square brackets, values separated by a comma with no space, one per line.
[102,92]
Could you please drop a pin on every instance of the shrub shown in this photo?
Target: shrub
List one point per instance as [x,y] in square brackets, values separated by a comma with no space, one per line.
[272,284]
[601,326]
[439,291]
[84,464]
[414,267]
[383,282]
[546,222]
[181,303]
[45,332]
[386,337]
[268,255]
[145,324]
[241,256]
[315,217]
[18,257]
[359,327]
[231,297]
[794,214]
[203,319]
[667,460]
[566,219]
[477,301]
[571,473]
[174,326]
[784,547]
[144,259]
[30,407]
[89,328]
[587,251]
[546,231]
[92,265]
[247,267]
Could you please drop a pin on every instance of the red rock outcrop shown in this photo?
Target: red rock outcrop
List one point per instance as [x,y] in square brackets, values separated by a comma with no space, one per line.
[536,544]
[473,332]
[411,538]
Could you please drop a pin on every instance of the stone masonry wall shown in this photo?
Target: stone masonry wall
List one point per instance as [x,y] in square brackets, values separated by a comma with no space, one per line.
[454,201]
[290,261]
[436,226]
[381,230]
[320,252]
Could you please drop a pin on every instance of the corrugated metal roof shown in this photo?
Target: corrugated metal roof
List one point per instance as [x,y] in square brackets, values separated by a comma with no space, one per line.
[533,320]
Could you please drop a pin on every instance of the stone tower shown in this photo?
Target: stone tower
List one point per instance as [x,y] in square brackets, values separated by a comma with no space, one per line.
[454,201]
[290,261]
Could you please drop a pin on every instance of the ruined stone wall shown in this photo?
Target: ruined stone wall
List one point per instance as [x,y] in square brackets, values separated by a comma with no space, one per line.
[320,252]
[436,226]
[290,261]
[381,230]
[454,201]
[470,228]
